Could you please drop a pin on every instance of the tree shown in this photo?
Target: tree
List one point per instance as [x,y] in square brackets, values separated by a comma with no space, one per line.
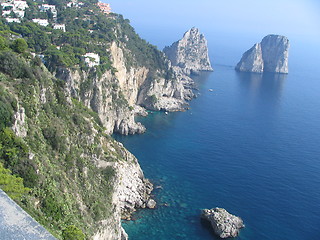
[19,45]
[72,233]
[11,184]
[3,43]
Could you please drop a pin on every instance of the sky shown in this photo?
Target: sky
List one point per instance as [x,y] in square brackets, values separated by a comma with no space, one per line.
[298,19]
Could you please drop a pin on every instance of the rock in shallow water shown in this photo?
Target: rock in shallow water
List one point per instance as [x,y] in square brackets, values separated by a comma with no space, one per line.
[224,224]
[151,203]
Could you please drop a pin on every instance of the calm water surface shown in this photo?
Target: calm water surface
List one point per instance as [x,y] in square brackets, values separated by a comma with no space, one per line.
[250,146]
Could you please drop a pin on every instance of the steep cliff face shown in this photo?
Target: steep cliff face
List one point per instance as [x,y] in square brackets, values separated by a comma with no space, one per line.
[104,95]
[275,52]
[79,175]
[252,60]
[163,94]
[271,55]
[190,53]
[130,80]
[115,94]
[131,191]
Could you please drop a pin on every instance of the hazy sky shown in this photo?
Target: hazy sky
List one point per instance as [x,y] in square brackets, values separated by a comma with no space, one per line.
[293,18]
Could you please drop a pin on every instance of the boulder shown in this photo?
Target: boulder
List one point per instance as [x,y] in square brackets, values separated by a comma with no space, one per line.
[224,224]
[151,203]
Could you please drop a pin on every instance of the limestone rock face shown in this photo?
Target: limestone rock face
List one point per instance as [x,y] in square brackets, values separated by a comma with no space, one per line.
[104,96]
[275,52]
[252,60]
[131,191]
[165,94]
[115,95]
[224,224]
[190,53]
[19,126]
[271,55]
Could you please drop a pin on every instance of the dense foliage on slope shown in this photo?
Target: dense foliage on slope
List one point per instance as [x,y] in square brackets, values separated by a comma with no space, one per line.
[87,30]
[55,157]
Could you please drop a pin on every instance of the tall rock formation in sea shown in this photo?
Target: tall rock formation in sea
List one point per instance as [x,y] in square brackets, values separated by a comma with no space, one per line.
[190,53]
[271,55]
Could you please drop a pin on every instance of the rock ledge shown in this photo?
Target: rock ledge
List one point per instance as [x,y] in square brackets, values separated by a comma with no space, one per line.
[224,224]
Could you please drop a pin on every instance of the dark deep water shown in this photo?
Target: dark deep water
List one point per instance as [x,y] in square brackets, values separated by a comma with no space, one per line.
[250,146]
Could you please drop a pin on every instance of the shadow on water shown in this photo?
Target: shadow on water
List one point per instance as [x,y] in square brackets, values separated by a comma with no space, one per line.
[262,90]
[201,79]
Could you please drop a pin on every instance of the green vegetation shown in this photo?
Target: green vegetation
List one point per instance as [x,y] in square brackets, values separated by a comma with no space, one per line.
[72,233]
[55,158]
[88,30]
[11,184]
[19,45]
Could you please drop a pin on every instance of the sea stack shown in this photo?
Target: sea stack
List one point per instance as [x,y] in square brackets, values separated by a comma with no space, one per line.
[190,53]
[224,224]
[270,55]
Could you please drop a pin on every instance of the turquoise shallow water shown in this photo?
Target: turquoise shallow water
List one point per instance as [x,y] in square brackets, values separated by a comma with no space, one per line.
[250,146]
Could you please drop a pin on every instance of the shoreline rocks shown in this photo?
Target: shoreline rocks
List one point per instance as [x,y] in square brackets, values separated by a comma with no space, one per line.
[224,224]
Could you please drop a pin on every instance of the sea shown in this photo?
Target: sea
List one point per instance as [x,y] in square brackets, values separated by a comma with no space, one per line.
[249,143]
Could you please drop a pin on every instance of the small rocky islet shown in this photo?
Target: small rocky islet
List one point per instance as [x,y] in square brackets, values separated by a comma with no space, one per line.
[224,224]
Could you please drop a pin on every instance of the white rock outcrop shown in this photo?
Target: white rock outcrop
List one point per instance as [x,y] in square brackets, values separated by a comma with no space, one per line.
[131,191]
[190,53]
[271,55]
[19,125]
[224,224]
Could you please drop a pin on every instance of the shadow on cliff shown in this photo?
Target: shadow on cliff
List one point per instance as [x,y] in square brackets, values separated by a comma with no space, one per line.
[206,226]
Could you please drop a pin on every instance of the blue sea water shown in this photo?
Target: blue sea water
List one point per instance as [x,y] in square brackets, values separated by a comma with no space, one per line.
[250,146]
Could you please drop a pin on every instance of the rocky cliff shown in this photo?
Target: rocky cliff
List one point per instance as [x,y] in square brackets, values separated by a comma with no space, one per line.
[78,174]
[271,55]
[190,53]
[115,95]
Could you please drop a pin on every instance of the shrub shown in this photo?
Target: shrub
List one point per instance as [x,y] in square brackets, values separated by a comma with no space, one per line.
[19,45]
[72,233]
[11,184]
[5,115]
[14,66]
[3,43]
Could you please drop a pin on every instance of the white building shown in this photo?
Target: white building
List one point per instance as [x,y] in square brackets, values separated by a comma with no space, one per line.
[6,13]
[51,8]
[75,3]
[7,6]
[19,13]
[60,27]
[18,7]
[92,59]
[42,22]
[47,7]
[10,20]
